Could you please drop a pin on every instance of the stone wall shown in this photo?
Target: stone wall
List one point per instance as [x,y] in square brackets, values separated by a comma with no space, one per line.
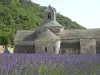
[1,49]
[88,46]
[48,47]
[98,46]
[24,49]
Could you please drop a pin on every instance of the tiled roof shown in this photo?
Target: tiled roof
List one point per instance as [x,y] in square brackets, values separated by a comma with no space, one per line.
[24,35]
[80,33]
[24,43]
[27,37]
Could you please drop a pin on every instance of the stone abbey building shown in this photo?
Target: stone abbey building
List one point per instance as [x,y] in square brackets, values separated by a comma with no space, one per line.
[52,38]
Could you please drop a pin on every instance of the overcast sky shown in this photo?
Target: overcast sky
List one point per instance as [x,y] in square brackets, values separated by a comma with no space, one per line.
[84,12]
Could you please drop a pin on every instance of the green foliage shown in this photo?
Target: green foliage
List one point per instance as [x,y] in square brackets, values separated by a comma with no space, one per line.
[4,41]
[24,15]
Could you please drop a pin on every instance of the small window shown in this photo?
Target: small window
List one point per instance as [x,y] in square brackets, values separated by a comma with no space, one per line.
[54,49]
[49,16]
[45,49]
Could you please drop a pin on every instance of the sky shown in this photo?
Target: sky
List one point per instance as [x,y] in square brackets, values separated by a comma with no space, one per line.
[84,12]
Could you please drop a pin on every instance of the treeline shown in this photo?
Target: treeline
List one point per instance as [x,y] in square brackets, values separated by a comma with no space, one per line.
[24,15]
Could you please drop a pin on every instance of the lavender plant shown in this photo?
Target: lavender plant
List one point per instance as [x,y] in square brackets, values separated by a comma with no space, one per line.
[49,64]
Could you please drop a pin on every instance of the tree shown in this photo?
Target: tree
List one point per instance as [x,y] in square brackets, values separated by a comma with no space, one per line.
[4,41]
[5,1]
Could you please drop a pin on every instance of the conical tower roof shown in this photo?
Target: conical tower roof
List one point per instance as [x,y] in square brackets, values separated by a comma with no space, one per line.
[47,35]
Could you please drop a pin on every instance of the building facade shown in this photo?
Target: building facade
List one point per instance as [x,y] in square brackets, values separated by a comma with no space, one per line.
[52,38]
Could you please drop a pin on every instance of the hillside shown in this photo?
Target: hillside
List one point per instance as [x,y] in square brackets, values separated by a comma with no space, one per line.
[25,15]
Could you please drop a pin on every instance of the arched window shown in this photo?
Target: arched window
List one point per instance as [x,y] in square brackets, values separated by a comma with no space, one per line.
[54,49]
[45,49]
[49,16]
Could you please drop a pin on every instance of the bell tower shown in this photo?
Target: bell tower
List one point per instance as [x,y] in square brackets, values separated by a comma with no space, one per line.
[49,14]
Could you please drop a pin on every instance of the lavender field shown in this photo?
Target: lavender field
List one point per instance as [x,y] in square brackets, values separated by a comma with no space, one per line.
[49,64]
